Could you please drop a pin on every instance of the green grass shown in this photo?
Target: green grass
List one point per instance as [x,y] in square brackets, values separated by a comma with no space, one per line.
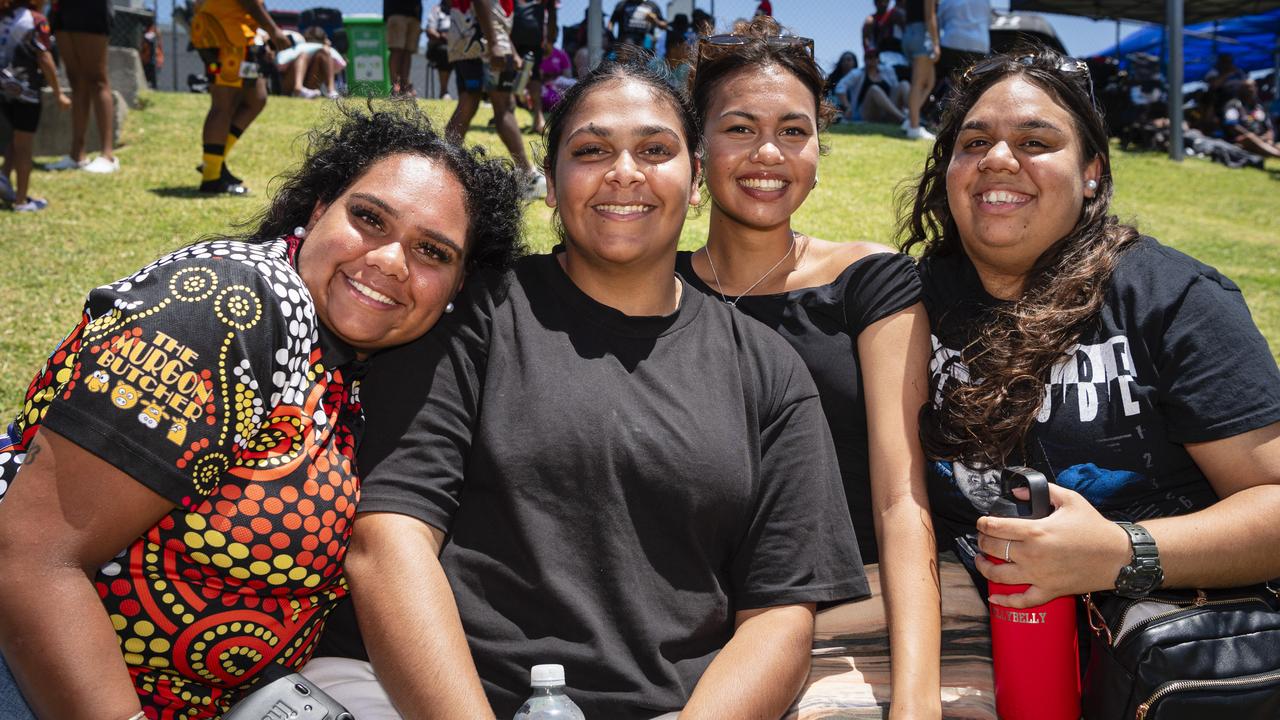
[99,228]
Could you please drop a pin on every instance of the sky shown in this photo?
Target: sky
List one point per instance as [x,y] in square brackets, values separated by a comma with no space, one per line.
[835,25]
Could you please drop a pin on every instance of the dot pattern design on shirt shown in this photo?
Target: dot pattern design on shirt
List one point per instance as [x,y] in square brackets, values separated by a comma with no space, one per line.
[241,575]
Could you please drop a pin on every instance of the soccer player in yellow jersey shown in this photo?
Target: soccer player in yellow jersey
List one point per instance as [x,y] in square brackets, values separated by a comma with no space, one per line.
[223,32]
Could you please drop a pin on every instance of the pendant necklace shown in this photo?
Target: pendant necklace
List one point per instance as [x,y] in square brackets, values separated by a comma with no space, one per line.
[720,288]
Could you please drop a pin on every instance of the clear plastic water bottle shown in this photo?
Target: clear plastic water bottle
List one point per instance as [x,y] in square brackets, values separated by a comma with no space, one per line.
[548,701]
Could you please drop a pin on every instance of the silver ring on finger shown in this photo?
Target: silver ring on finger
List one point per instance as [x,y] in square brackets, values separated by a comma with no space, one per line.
[1007,545]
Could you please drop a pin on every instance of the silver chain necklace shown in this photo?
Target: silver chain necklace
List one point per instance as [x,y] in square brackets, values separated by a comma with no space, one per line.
[767,273]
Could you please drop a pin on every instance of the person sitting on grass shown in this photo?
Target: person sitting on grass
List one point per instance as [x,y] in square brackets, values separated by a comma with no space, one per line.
[25,63]
[1245,121]
[203,415]
[636,481]
[309,68]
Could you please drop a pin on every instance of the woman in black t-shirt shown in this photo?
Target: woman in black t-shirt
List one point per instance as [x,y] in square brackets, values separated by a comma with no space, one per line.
[636,482]
[851,309]
[1128,373]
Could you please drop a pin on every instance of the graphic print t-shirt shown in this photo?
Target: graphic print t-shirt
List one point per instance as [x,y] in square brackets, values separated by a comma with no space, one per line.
[23,36]
[1175,358]
[207,378]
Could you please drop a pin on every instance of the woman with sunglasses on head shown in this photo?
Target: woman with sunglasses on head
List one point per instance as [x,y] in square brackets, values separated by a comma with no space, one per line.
[204,416]
[851,309]
[659,525]
[1131,375]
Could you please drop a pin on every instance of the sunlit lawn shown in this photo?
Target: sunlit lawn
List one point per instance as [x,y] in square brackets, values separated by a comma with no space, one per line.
[99,228]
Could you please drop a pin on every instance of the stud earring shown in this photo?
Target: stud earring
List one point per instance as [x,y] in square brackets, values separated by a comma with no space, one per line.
[1091,185]
[300,232]
[815,179]
[448,308]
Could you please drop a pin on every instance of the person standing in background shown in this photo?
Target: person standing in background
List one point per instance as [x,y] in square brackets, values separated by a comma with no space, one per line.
[634,21]
[438,45]
[151,52]
[222,32]
[533,32]
[964,29]
[404,27]
[764,8]
[82,28]
[882,33]
[25,64]
[921,46]
[480,29]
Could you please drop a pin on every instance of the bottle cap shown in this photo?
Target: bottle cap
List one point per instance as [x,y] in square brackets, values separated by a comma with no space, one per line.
[546,675]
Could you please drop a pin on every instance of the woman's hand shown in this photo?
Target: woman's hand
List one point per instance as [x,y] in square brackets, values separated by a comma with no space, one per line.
[1074,550]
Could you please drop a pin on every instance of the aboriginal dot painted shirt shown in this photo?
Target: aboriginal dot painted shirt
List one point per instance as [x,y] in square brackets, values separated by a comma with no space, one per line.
[206,377]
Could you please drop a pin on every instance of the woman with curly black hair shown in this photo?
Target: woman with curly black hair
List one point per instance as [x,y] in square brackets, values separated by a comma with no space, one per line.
[203,415]
[1128,373]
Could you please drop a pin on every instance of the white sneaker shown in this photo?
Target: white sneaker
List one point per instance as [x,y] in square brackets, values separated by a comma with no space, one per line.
[536,186]
[906,124]
[103,165]
[307,93]
[66,163]
[31,205]
[919,133]
[6,190]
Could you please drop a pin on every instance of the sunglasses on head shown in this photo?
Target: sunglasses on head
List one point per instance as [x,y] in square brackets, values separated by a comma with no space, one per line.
[1071,67]
[781,42]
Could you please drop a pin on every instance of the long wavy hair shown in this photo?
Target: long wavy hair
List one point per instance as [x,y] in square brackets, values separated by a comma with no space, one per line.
[1014,347]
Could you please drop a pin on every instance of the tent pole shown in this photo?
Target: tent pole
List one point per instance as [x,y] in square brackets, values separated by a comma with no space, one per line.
[595,41]
[1173,12]
[1118,56]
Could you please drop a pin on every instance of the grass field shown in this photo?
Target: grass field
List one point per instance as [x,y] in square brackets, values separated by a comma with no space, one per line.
[99,228]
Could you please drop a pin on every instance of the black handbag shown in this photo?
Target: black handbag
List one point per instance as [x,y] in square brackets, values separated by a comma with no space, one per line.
[1184,655]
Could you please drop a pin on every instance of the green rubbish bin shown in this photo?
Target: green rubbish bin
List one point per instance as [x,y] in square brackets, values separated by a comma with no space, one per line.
[368,71]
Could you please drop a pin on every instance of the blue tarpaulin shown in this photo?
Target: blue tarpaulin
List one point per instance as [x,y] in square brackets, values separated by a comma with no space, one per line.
[1251,40]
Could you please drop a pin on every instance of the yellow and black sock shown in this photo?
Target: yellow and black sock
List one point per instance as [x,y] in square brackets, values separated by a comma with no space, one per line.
[213,157]
[233,137]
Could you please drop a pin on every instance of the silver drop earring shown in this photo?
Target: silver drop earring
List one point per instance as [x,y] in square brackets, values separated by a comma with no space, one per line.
[448,308]
[300,232]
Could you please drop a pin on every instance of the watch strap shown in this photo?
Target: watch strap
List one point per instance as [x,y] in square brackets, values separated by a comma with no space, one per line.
[1144,572]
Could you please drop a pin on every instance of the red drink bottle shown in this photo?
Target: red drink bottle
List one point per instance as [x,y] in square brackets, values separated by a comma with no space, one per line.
[1034,650]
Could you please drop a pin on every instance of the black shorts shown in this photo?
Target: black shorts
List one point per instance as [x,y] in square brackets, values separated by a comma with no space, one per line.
[524,50]
[438,56]
[83,16]
[22,116]
[470,75]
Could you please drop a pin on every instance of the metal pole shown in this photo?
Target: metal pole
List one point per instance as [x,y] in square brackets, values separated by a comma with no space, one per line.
[173,40]
[1173,11]
[1118,53]
[595,23]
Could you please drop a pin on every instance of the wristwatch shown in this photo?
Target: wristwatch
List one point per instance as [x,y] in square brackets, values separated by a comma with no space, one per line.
[1143,573]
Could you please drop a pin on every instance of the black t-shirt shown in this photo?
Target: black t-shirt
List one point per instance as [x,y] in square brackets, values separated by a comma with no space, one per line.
[408,8]
[635,19]
[822,324]
[614,488]
[915,10]
[1175,359]
[528,22]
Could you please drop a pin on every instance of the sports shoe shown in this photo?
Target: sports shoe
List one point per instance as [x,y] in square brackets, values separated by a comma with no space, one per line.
[31,205]
[103,165]
[66,163]
[6,190]
[307,93]
[223,187]
[226,174]
[919,133]
[535,185]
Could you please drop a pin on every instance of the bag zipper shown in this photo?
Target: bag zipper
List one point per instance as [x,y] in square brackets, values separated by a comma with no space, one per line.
[1200,601]
[1179,685]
